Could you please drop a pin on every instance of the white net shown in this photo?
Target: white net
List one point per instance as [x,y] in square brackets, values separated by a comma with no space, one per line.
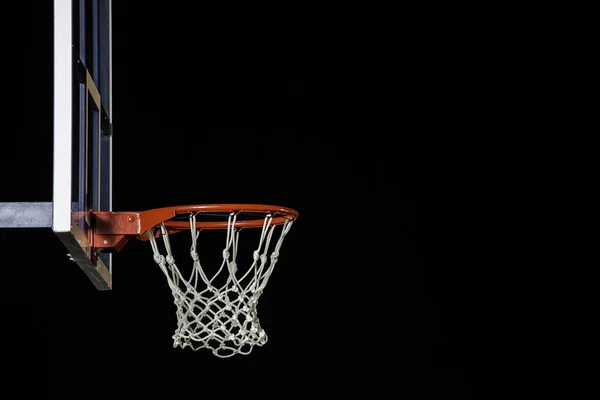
[221,317]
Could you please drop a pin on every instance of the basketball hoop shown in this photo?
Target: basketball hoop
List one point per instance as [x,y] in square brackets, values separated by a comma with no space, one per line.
[214,311]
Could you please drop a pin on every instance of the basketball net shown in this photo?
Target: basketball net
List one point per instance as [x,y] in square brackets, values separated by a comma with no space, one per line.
[220,318]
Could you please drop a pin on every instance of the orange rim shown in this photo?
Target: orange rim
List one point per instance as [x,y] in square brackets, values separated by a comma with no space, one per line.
[280,215]
[115,229]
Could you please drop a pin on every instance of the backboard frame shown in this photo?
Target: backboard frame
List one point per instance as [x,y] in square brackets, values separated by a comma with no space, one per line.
[82,176]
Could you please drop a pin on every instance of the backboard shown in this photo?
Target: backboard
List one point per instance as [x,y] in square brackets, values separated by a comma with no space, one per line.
[82,179]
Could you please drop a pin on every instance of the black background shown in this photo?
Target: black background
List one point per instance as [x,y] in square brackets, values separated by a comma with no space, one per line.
[236,111]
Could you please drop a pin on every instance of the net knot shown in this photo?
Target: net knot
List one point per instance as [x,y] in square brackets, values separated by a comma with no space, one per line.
[256,255]
[170,259]
[225,254]
[263,259]
[194,255]
[159,259]
[233,267]
[274,257]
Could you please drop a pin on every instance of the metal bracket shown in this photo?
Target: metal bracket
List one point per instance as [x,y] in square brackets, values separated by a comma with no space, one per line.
[112,230]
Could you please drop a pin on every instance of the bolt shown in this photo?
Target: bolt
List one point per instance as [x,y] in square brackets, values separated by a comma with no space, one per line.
[105,241]
[131,218]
